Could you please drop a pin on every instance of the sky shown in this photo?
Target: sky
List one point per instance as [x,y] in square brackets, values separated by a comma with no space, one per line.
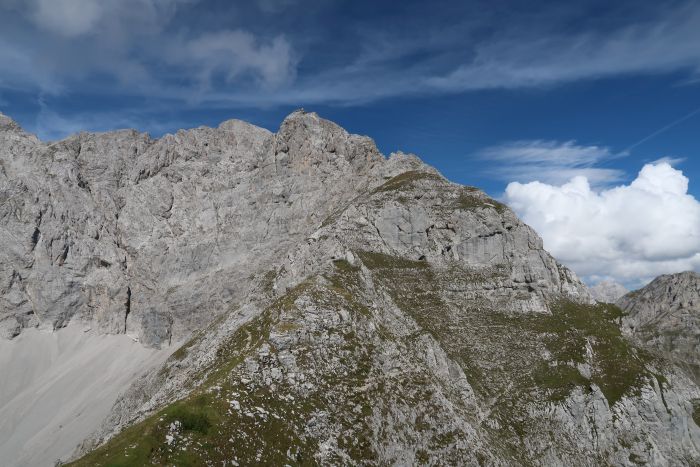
[583,116]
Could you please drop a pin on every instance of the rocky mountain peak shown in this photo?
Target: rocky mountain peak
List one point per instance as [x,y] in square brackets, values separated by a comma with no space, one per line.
[682,278]
[665,316]
[6,123]
[242,127]
[666,292]
[313,140]
[608,291]
[161,225]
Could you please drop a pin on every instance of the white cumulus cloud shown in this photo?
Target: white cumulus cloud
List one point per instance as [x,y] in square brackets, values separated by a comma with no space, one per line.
[630,233]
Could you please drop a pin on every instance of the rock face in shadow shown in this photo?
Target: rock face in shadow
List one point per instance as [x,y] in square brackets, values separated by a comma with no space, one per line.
[665,316]
[341,307]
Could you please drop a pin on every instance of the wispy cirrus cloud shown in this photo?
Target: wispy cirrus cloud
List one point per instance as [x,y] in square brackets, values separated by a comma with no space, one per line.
[672,161]
[235,52]
[132,47]
[665,43]
[391,64]
[550,162]
[271,53]
[74,18]
[146,48]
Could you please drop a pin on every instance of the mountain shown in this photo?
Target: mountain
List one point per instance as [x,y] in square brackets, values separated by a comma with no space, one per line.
[665,316]
[318,303]
[608,291]
[148,237]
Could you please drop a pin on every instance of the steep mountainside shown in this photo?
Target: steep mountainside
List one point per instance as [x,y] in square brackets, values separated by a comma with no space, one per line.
[149,237]
[341,307]
[665,315]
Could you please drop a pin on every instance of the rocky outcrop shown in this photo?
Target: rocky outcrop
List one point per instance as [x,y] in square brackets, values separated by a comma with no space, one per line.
[665,316]
[147,237]
[341,307]
[608,291]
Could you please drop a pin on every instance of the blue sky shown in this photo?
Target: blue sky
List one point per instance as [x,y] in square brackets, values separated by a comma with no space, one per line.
[489,92]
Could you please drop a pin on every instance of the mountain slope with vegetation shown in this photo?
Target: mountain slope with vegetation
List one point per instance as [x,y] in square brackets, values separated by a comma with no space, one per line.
[338,307]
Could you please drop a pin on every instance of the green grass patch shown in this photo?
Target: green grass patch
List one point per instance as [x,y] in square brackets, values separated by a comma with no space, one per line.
[470,200]
[192,417]
[145,442]
[374,260]
[406,179]
[287,326]
[558,381]
[696,411]
[617,367]
[183,350]
[344,265]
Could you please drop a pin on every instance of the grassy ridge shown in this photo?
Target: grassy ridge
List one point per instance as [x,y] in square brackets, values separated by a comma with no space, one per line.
[511,361]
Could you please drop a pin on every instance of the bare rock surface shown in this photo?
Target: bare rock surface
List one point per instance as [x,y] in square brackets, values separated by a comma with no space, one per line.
[148,237]
[608,291]
[665,316]
[340,307]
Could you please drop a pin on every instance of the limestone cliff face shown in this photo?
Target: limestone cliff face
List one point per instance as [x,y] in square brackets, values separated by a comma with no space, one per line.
[340,307]
[156,237]
[665,316]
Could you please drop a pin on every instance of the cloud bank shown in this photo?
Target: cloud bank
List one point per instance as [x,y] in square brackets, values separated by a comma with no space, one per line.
[630,233]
